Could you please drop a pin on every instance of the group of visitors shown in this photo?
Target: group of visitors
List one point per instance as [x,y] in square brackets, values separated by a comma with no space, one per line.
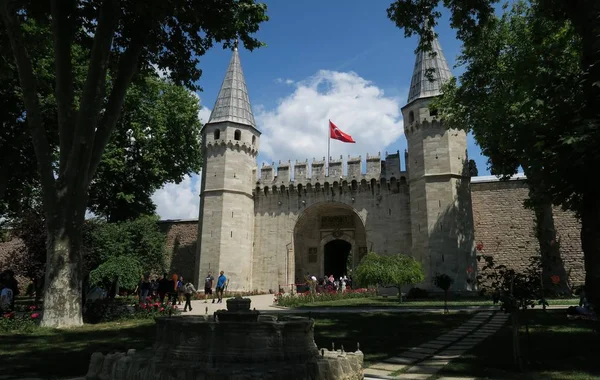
[9,289]
[209,282]
[326,284]
[174,289]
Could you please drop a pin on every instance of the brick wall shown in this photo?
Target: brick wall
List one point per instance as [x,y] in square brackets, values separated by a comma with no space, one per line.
[507,230]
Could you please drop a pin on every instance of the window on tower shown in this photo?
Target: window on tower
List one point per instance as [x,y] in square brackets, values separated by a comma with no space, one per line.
[253,140]
[217,134]
[237,135]
[411,117]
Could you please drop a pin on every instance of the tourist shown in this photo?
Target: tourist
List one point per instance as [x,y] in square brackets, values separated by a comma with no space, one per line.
[6,297]
[144,288]
[188,290]
[208,285]
[221,280]
[172,297]
[343,284]
[163,287]
[8,277]
[180,285]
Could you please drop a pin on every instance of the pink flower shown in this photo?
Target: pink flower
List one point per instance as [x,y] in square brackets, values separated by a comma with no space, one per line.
[32,308]
[162,309]
[479,247]
[35,315]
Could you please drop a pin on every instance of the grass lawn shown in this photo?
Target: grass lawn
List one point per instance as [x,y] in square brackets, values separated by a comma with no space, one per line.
[559,349]
[54,354]
[380,302]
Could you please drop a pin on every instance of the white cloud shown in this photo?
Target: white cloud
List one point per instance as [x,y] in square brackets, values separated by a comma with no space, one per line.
[285,81]
[180,201]
[297,128]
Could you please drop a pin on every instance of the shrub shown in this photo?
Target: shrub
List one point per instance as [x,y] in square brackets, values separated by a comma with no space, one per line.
[394,271]
[300,299]
[19,322]
[110,310]
[127,268]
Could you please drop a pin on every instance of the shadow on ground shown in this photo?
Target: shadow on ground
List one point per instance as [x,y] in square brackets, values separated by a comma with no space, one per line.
[557,348]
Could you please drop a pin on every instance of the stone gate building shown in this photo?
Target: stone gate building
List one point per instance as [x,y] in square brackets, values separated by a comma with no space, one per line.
[267,227]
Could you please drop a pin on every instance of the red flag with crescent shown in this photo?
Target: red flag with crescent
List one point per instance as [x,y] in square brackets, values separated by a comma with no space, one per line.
[337,134]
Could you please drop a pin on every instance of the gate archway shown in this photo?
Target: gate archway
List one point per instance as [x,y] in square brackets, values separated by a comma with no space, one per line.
[325,235]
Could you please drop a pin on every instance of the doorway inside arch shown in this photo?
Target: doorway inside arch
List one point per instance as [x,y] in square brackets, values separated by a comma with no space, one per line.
[336,254]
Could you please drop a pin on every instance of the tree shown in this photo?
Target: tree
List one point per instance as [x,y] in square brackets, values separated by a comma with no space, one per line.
[444,282]
[140,239]
[127,269]
[397,271]
[157,140]
[528,68]
[473,172]
[121,38]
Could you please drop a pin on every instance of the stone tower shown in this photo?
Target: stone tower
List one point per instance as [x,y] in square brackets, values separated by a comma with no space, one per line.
[226,222]
[440,201]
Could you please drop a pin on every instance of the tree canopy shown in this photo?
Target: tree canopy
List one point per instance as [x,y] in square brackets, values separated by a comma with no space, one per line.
[383,270]
[535,71]
[122,40]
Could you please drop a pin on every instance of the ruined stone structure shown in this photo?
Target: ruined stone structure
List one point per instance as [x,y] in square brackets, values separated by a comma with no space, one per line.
[268,227]
[236,343]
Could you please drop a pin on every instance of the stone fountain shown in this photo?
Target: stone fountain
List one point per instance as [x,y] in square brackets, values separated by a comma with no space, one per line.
[237,343]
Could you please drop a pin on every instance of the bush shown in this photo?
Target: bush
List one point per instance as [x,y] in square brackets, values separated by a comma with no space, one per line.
[19,322]
[118,309]
[300,299]
[127,268]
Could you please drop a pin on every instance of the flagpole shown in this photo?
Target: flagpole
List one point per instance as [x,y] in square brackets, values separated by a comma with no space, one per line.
[328,148]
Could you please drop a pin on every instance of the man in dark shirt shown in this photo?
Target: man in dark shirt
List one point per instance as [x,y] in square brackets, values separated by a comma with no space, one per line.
[208,285]
[163,287]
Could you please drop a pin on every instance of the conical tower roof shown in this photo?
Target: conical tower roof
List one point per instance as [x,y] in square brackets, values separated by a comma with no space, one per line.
[233,103]
[420,85]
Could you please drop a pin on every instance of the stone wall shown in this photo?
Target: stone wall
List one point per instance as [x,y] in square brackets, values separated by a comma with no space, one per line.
[507,229]
[382,208]
[180,252]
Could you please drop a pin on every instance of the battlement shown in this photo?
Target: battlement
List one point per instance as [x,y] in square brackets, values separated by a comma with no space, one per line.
[349,172]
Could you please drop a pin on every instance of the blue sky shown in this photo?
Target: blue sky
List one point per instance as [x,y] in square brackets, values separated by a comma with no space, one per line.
[338,59]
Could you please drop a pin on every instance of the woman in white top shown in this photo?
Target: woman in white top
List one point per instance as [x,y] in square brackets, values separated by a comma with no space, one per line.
[6,295]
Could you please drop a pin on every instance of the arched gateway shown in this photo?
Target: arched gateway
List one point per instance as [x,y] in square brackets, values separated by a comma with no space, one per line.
[329,238]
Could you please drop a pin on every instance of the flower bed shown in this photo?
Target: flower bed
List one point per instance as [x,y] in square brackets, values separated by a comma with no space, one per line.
[19,321]
[300,299]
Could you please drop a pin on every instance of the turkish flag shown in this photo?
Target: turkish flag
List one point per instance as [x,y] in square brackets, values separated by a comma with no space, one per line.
[336,134]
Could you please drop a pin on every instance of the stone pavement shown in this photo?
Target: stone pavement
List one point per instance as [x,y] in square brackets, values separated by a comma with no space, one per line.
[265,303]
[424,361]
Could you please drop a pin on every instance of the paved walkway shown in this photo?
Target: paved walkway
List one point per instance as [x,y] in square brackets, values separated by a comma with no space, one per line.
[265,303]
[424,361]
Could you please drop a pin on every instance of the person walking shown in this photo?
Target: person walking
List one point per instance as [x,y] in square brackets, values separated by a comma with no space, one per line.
[221,280]
[208,285]
[188,290]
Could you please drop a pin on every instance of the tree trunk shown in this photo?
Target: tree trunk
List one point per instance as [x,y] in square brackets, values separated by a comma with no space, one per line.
[590,244]
[552,263]
[63,281]
[515,340]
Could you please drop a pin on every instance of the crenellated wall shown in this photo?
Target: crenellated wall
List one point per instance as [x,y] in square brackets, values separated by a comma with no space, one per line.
[347,173]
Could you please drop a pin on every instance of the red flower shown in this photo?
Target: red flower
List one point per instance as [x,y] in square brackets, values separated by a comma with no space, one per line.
[32,308]
[555,279]
[35,315]
[162,309]
[469,269]
[479,247]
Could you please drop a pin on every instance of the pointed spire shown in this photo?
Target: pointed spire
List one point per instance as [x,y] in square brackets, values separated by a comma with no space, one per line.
[233,103]
[420,85]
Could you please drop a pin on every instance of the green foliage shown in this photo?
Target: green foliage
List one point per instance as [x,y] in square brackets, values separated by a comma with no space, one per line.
[473,171]
[513,290]
[383,270]
[443,281]
[140,239]
[18,322]
[127,268]
[157,140]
